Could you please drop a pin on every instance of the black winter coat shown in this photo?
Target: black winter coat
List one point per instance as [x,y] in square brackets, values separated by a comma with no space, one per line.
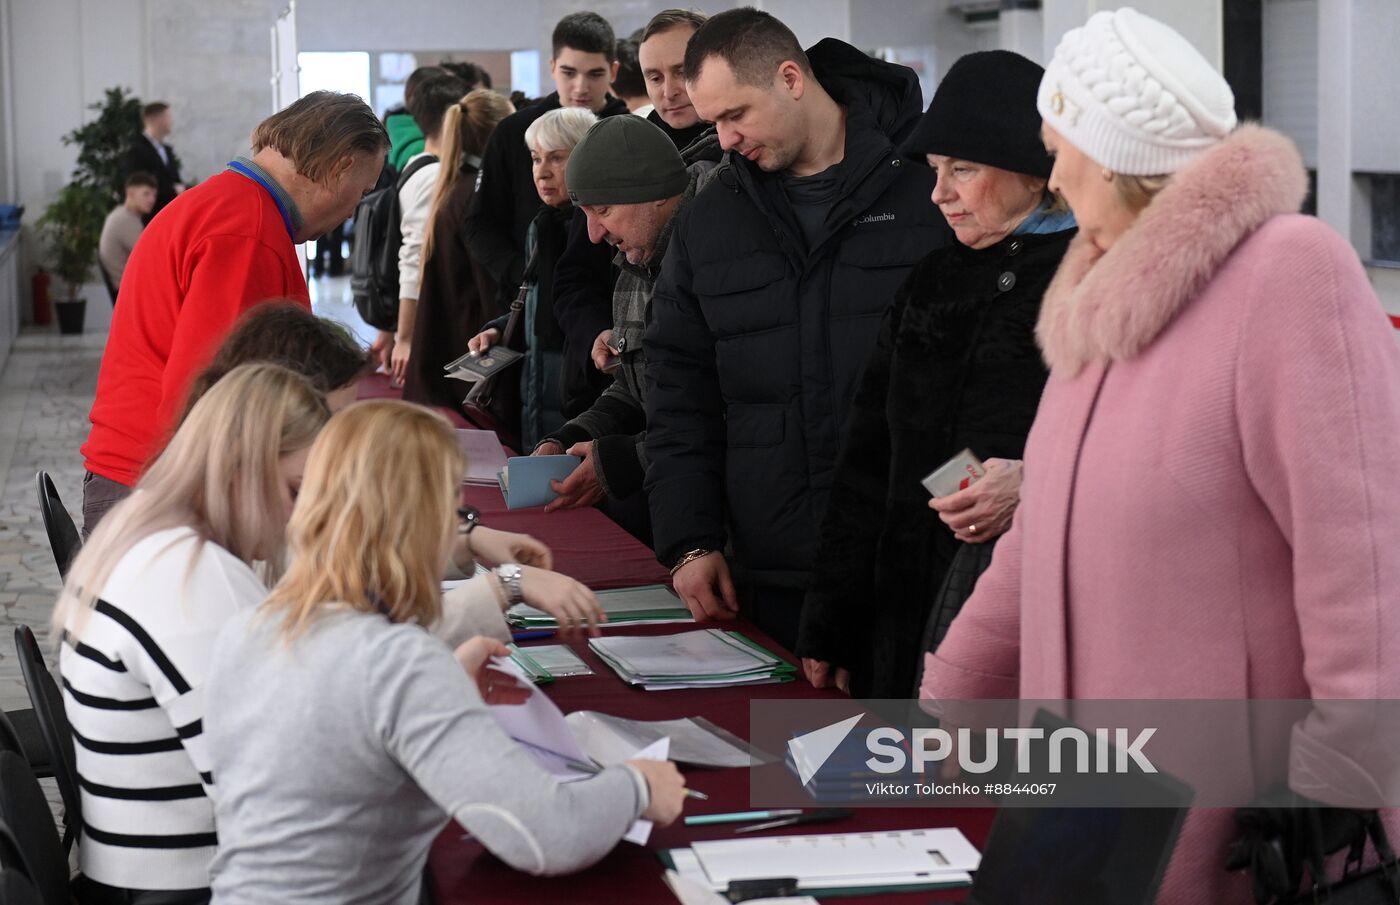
[956,367]
[755,343]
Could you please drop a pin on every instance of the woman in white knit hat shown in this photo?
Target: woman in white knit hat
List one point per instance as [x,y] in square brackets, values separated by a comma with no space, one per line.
[1210,507]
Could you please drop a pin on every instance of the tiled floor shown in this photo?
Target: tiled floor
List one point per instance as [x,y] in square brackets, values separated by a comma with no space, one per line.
[46,389]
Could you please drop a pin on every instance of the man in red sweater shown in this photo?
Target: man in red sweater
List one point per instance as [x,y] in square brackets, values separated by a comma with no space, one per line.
[212,253]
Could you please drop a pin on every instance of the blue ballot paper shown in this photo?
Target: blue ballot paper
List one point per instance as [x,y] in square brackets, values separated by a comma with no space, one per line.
[525,479]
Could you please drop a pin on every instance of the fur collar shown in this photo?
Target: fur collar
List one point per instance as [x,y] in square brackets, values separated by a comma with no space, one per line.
[1111,305]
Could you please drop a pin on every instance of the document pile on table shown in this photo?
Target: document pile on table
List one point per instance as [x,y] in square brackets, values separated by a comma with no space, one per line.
[701,659]
[485,457]
[543,663]
[834,864]
[652,603]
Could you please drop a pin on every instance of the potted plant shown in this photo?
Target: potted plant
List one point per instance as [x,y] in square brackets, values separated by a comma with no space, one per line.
[72,227]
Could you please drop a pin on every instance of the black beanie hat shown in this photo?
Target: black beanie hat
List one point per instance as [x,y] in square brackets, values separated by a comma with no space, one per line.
[984,112]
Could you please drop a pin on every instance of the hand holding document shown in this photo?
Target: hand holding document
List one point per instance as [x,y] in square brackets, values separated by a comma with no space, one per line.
[524,480]
[476,366]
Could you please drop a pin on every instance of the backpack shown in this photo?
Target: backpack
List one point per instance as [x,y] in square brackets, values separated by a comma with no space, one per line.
[374,261]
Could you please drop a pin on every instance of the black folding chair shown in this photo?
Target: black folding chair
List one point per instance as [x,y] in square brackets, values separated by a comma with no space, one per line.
[53,725]
[64,539]
[19,732]
[30,832]
[111,287]
[16,890]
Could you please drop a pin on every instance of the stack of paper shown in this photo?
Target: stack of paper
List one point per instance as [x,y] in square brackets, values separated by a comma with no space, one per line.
[629,606]
[485,457]
[547,662]
[837,863]
[700,659]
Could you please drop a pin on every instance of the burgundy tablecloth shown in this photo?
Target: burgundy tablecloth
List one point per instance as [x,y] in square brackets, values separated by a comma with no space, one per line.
[461,871]
[587,545]
[377,386]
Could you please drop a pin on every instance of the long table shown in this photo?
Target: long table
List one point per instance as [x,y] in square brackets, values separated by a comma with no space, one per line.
[461,871]
[593,549]
[588,546]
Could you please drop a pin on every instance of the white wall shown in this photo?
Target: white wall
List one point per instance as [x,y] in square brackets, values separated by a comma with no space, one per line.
[210,60]
[1375,86]
[1202,22]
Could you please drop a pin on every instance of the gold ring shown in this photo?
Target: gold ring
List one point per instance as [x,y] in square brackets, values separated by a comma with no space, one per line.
[971,529]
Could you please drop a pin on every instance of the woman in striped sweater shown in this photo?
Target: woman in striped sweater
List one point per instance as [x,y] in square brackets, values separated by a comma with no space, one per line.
[201,540]
[144,600]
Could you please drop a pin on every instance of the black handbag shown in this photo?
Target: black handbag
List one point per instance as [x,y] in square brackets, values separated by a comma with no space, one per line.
[1285,850]
[967,565]
[495,403]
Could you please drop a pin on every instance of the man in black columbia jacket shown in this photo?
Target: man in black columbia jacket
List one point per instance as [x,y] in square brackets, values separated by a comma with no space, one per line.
[768,303]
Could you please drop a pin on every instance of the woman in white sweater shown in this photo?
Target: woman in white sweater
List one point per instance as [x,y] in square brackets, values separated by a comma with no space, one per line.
[138,617]
[145,599]
[345,736]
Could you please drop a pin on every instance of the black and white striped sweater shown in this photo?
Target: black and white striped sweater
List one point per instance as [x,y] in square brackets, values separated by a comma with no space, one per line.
[132,687]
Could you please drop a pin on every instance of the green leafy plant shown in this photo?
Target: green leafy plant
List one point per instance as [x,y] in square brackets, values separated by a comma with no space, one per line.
[72,224]
[104,141]
[72,229]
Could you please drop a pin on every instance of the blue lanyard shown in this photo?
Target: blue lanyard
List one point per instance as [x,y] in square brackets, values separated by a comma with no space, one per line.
[276,199]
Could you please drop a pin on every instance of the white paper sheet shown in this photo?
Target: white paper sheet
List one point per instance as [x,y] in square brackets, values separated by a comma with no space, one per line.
[658,750]
[840,859]
[610,739]
[537,723]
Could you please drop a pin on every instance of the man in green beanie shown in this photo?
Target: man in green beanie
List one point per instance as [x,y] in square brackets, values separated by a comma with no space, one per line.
[631,182]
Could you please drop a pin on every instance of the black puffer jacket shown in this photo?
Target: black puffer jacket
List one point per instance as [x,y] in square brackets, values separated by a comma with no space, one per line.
[956,367]
[755,344]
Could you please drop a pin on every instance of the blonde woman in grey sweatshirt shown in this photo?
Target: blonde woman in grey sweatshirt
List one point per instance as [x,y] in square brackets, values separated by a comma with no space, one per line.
[343,736]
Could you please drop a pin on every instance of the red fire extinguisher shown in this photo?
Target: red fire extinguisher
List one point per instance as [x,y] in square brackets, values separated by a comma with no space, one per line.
[43,311]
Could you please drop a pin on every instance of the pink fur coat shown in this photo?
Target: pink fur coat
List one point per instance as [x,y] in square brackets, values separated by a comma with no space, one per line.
[1211,506]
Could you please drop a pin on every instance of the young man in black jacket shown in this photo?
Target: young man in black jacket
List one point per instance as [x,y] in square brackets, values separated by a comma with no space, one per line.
[584,276]
[768,305]
[583,65]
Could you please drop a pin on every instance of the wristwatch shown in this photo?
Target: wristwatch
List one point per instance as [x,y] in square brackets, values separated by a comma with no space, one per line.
[467,519]
[509,577]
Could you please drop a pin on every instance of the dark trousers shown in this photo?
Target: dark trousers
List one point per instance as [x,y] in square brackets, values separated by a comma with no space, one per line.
[99,496]
[87,891]
[777,611]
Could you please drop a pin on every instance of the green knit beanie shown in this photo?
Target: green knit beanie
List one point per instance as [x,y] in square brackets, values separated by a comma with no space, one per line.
[625,160]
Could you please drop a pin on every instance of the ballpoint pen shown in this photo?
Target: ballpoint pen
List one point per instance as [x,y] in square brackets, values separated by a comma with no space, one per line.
[824,815]
[739,816]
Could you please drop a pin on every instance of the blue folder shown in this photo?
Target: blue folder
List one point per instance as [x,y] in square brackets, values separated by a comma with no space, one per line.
[530,477]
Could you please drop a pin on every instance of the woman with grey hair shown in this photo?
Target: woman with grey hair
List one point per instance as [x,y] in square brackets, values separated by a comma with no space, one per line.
[551,139]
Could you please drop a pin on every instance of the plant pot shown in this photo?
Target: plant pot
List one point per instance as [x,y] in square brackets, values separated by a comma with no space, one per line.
[70,314]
